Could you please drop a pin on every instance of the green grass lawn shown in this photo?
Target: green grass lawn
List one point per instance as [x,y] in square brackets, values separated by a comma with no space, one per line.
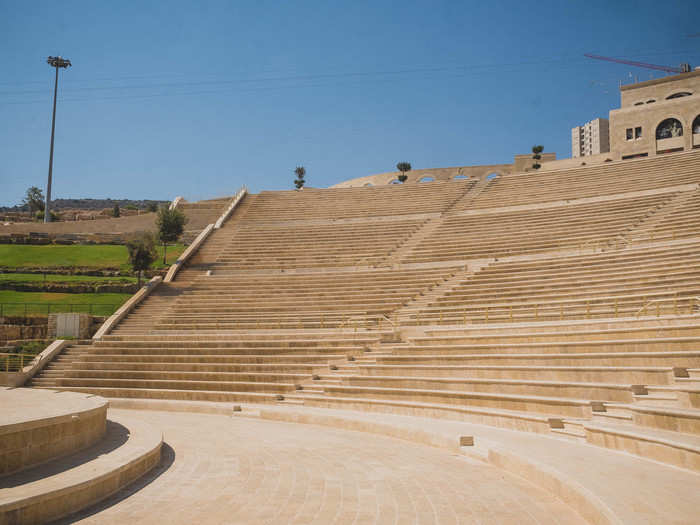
[39,303]
[97,256]
[58,278]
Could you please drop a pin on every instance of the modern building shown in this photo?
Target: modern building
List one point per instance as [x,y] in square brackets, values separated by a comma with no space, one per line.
[592,138]
[657,116]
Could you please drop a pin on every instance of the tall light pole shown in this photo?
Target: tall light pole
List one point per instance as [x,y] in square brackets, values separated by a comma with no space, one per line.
[57,62]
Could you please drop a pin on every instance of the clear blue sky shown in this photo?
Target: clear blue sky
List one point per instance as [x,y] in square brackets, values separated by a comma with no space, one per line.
[197,98]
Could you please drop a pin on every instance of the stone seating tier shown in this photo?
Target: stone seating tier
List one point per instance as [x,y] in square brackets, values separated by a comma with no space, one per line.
[76,371]
[681,222]
[462,236]
[608,284]
[315,246]
[337,203]
[605,179]
[285,300]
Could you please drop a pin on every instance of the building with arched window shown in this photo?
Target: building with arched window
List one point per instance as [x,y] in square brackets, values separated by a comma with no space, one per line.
[656,117]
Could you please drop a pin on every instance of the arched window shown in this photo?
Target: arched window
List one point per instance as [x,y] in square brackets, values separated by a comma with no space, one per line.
[427,179]
[639,103]
[395,181]
[368,184]
[651,101]
[696,124]
[459,177]
[669,128]
[492,176]
[679,95]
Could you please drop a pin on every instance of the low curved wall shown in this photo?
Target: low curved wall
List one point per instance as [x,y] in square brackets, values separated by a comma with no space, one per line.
[43,424]
[439,174]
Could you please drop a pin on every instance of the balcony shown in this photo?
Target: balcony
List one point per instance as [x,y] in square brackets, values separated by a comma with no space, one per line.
[669,145]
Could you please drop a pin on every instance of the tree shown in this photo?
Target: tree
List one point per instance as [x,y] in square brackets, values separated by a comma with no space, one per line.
[142,252]
[299,182]
[536,150]
[116,212]
[152,206]
[171,224]
[403,167]
[34,199]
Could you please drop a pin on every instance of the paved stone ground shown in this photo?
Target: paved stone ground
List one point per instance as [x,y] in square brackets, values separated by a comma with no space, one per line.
[219,469]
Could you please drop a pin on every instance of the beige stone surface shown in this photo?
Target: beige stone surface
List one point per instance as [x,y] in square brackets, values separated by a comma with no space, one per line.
[36,426]
[238,470]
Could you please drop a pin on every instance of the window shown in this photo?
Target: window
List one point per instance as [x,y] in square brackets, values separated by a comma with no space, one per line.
[638,132]
[651,101]
[669,128]
[639,103]
[696,124]
[427,179]
[628,134]
[635,156]
[679,95]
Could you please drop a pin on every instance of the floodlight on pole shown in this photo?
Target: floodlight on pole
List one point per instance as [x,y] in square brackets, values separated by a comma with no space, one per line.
[57,62]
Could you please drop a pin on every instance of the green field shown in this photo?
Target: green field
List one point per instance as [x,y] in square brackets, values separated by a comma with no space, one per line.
[38,303]
[97,256]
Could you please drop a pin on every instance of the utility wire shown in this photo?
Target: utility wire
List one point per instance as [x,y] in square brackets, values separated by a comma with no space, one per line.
[315,80]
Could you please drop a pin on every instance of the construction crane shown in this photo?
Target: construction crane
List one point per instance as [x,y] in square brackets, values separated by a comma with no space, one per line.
[684,68]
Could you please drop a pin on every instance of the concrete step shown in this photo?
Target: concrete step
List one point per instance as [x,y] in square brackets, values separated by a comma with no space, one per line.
[60,487]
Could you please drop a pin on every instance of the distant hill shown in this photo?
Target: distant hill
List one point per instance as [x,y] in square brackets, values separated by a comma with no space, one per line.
[89,204]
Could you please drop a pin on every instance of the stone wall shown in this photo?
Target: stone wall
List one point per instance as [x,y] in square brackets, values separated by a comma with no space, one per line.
[19,327]
[57,287]
[36,327]
[38,238]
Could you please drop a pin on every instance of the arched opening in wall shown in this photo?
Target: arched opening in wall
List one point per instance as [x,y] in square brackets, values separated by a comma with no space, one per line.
[639,103]
[679,95]
[395,181]
[651,101]
[367,185]
[460,177]
[427,179]
[492,176]
[669,128]
[696,125]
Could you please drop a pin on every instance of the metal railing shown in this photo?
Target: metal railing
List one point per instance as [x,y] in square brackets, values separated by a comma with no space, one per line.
[52,308]
[11,362]
[588,309]
[676,306]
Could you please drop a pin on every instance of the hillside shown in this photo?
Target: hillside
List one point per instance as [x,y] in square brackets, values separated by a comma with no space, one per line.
[89,204]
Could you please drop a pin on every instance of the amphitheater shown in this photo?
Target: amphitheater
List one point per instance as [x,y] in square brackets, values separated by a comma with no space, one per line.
[514,349]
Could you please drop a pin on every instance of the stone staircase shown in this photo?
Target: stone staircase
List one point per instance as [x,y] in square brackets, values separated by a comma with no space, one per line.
[645,229]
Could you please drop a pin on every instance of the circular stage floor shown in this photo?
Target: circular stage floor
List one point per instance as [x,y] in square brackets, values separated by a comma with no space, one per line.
[218,469]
